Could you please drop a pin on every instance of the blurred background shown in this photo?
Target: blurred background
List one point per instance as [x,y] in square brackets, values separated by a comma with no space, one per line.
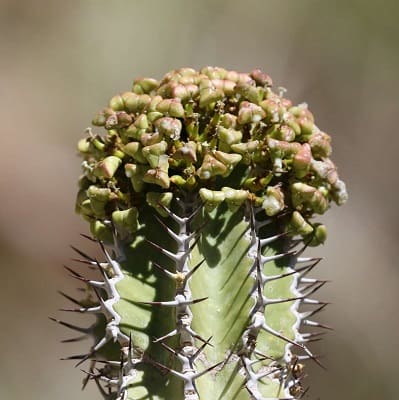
[60,62]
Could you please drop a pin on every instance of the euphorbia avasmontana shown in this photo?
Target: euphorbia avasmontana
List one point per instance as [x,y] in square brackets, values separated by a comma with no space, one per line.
[201,192]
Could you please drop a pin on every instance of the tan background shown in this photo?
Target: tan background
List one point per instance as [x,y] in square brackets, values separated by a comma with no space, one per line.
[60,61]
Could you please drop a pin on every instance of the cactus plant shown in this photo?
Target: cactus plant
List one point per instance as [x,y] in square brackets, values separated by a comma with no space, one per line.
[201,195]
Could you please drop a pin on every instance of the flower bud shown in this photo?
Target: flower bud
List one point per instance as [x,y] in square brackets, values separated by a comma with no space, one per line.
[249,113]
[320,143]
[302,160]
[101,232]
[211,198]
[107,167]
[187,152]
[144,85]
[169,127]
[273,202]
[319,235]
[159,201]
[261,78]
[126,221]
[171,107]
[308,197]
[298,225]
[234,198]
[134,149]
[136,173]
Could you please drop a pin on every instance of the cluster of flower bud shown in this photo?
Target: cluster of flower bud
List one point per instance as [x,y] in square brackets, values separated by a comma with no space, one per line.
[223,134]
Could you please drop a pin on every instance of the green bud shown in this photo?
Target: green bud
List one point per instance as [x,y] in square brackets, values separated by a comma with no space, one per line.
[141,122]
[230,160]
[136,173]
[298,225]
[102,232]
[152,152]
[134,149]
[319,235]
[159,201]
[107,167]
[209,93]
[234,198]
[144,85]
[282,132]
[229,136]
[214,72]
[273,202]
[272,109]
[228,120]
[171,107]
[211,198]
[249,92]
[307,128]
[244,148]
[126,221]
[117,103]
[84,145]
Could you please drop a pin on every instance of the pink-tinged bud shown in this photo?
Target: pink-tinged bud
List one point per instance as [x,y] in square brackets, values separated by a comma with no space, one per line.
[325,170]
[301,111]
[272,109]
[158,177]
[228,120]
[302,160]
[187,152]
[148,139]
[282,132]
[211,167]
[107,167]
[249,113]
[118,120]
[320,143]
[307,128]
[261,78]
[282,149]
[170,127]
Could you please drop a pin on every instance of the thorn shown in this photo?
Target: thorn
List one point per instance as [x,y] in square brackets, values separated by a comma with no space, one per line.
[71,299]
[74,273]
[317,324]
[89,237]
[73,327]
[76,339]
[199,351]
[163,270]
[81,253]
[191,272]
